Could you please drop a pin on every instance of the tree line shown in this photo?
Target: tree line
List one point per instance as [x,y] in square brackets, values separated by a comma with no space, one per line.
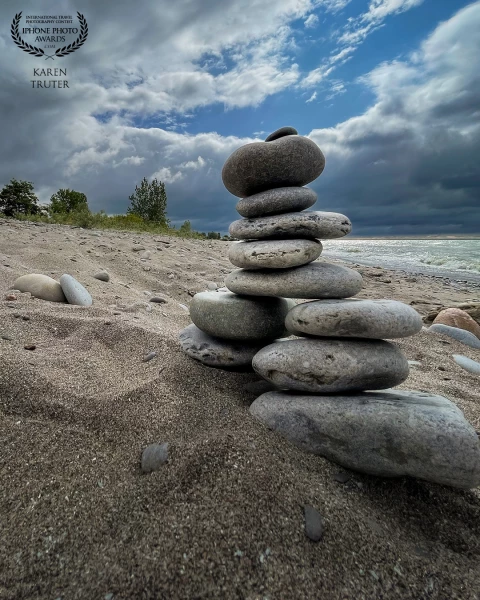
[148,208]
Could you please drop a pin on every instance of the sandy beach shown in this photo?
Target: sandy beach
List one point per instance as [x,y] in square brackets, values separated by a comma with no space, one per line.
[224,517]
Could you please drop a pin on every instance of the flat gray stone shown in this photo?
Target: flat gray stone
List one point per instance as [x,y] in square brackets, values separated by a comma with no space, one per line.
[460,335]
[276,201]
[74,291]
[306,224]
[281,133]
[102,276]
[315,280]
[40,286]
[154,456]
[393,433]
[228,316]
[375,319]
[313,523]
[216,352]
[472,366]
[290,160]
[274,254]
[325,366]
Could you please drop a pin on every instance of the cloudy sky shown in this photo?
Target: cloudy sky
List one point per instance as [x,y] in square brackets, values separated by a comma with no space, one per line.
[389,90]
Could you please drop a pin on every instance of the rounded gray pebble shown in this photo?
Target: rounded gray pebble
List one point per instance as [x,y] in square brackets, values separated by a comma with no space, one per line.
[315,280]
[216,352]
[74,291]
[290,160]
[313,523]
[461,335]
[374,319]
[158,299]
[274,254]
[102,276]
[232,317]
[306,224]
[328,366]
[276,201]
[154,456]
[472,366]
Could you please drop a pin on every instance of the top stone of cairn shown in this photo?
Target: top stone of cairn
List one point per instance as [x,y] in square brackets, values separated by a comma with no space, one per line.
[283,131]
[289,160]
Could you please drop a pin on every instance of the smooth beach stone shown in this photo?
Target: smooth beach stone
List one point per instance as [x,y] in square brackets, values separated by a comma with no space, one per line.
[472,366]
[74,291]
[154,456]
[281,133]
[456,317]
[291,160]
[226,315]
[102,276]
[315,280]
[216,352]
[313,523]
[274,254]
[460,335]
[332,365]
[276,201]
[393,433]
[40,286]
[375,319]
[308,224]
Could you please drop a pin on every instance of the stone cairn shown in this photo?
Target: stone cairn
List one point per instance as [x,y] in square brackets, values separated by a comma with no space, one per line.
[319,381]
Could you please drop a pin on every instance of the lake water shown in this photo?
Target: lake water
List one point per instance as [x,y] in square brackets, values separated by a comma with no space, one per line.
[456,259]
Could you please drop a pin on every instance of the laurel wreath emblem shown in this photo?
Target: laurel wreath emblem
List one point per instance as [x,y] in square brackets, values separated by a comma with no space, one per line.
[59,52]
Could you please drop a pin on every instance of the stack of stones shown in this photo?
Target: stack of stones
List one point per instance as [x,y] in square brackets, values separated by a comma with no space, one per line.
[319,397]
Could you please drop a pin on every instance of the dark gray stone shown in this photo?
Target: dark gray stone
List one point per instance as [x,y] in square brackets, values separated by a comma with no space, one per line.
[154,456]
[315,280]
[325,366]
[228,316]
[461,335]
[291,160]
[276,201]
[377,319]
[393,433]
[313,523]
[274,254]
[307,224]
[150,356]
[216,352]
[158,299]
[281,133]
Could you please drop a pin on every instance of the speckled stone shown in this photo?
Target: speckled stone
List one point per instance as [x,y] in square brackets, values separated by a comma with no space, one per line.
[315,280]
[274,254]
[290,160]
[307,224]
[393,433]
[328,366]
[283,131]
[216,352]
[226,315]
[276,201]
[377,319]
[40,286]
[74,291]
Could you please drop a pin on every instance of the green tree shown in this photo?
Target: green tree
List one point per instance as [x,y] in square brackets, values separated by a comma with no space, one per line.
[18,197]
[66,201]
[185,228]
[149,201]
[213,235]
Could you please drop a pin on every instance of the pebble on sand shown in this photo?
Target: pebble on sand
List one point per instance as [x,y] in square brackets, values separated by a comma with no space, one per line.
[313,523]
[74,291]
[472,366]
[102,276]
[154,456]
[461,335]
[40,286]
